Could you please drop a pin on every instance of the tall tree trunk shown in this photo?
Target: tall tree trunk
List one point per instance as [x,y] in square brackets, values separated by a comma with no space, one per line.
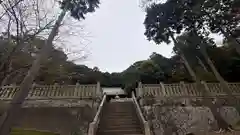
[14,110]
[14,75]
[214,70]
[223,83]
[187,65]
[203,51]
[222,124]
[6,79]
[202,64]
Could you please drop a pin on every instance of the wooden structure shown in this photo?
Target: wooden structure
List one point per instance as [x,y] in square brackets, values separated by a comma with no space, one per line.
[113,91]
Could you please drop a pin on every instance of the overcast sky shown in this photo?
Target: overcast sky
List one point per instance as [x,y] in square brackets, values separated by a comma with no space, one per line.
[114,35]
[117,36]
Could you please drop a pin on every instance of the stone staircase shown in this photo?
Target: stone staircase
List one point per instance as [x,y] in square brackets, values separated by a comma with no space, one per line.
[119,118]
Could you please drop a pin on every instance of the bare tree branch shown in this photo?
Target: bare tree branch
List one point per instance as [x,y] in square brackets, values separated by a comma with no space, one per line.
[20,21]
[6,10]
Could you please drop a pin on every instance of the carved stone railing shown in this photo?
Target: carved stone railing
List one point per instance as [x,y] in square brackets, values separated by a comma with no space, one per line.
[54,92]
[143,122]
[93,126]
[184,89]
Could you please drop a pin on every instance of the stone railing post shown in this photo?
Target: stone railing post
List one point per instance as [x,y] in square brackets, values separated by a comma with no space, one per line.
[184,92]
[93,126]
[32,92]
[140,90]
[9,93]
[207,89]
[56,91]
[140,93]
[183,88]
[76,90]
[205,86]
[144,123]
[98,90]
[163,89]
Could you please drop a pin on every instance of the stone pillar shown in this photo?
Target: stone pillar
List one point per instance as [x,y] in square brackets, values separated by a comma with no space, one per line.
[205,85]
[32,93]
[208,91]
[97,99]
[184,92]
[163,89]
[99,92]
[139,93]
[76,90]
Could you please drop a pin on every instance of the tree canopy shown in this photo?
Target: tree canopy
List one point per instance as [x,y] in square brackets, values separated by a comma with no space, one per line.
[57,69]
[163,21]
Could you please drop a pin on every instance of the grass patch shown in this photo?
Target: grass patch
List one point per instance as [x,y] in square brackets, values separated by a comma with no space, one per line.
[30,132]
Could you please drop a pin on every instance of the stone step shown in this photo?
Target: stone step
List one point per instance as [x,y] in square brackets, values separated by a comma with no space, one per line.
[120,123]
[120,116]
[112,111]
[118,107]
[121,103]
[120,134]
[133,113]
[120,126]
[119,119]
[121,110]
[125,131]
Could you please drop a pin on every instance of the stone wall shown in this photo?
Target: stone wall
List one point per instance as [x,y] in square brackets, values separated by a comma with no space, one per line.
[60,116]
[55,103]
[60,120]
[184,119]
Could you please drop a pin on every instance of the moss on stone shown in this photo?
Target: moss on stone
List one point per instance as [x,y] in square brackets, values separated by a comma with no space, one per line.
[30,132]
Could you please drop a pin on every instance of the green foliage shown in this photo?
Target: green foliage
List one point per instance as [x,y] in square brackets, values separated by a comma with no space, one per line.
[57,69]
[206,76]
[79,8]
[175,16]
[195,20]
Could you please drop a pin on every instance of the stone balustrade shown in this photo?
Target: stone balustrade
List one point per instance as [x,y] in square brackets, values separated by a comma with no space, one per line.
[184,89]
[42,92]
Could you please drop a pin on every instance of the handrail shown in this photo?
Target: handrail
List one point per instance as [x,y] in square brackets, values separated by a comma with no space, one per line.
[147,130]
[94,124]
